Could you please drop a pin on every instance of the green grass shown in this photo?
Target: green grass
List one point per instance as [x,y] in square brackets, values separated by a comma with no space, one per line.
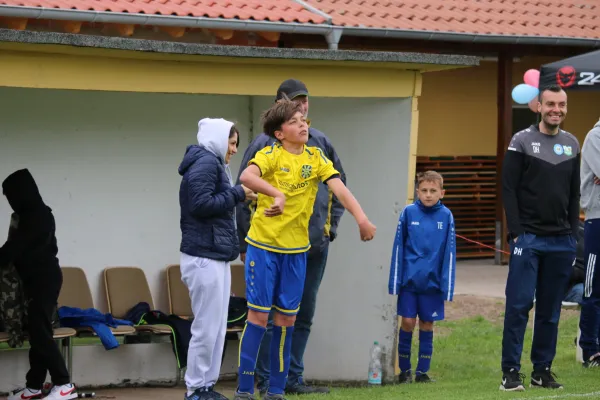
[466,365]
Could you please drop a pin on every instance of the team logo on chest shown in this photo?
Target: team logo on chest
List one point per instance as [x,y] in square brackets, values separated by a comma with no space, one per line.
[306,171]
[558,149]
[568,150]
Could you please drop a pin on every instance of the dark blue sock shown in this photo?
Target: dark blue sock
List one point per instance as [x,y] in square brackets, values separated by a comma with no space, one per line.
[249,345]
[281,346]
[404,344]
[425,351]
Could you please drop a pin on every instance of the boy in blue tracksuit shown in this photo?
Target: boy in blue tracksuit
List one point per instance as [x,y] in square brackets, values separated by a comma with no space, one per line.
[422,271]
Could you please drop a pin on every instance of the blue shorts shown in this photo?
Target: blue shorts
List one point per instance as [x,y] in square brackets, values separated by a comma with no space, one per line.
[274,280]
[429,307]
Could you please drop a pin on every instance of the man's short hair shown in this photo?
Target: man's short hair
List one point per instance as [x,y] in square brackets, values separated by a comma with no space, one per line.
[549,88]
[430,176]
[279,113]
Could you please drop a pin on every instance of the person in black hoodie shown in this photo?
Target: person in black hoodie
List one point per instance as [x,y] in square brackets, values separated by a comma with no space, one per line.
[33,251]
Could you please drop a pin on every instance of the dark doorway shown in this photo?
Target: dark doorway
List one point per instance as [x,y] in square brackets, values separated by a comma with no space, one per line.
[522,117]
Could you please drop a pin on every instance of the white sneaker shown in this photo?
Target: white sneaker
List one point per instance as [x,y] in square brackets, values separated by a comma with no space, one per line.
[62,392]
[26,394]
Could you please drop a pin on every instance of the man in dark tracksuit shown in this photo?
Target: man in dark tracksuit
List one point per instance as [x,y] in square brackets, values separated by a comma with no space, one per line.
[540,179]
[33,251]
[326,215]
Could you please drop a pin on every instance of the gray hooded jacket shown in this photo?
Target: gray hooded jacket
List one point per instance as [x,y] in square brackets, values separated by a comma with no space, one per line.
[590,168]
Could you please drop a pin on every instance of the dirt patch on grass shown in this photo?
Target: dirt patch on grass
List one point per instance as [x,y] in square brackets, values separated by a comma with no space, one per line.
[466,306]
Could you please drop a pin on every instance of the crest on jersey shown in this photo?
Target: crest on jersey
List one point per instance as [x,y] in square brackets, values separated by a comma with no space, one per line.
[306,171]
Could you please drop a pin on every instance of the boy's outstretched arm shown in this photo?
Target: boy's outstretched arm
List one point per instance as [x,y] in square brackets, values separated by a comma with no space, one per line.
[367,229]
[251,178]
[449,263]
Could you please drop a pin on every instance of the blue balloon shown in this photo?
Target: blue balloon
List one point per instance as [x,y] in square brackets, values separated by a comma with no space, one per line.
[523,93]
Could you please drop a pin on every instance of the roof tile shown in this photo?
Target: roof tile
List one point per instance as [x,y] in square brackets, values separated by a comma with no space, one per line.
[260,10]
[561,18]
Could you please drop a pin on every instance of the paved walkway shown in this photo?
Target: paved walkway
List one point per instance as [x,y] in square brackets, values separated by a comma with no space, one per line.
[481,278]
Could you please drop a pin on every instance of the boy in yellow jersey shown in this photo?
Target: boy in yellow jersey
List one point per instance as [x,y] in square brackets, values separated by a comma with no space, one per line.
[286,175]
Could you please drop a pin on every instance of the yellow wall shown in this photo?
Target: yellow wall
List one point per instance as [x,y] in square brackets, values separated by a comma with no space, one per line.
[65,67]
[582,113]
[458,111]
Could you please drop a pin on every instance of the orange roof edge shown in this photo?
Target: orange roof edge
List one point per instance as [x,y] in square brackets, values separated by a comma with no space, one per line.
[438,20]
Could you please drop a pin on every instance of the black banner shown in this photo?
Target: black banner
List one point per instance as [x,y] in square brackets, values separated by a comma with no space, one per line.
[575,73]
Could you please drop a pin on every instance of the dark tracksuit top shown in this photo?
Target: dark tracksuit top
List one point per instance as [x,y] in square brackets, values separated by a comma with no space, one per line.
[540,183]
[540,179]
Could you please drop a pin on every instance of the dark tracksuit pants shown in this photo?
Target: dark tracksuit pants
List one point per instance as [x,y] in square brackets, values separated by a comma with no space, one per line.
[589,322]
[44,354]
[540,267]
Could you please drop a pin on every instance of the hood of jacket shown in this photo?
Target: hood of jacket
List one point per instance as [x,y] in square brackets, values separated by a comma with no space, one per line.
[22,192]
[213,135]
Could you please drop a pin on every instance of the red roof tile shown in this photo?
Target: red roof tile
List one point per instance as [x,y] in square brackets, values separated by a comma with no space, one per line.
[559,18]
[563,18]
[260,10]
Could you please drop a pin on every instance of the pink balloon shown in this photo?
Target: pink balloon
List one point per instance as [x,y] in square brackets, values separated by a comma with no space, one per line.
[533,104]
[532,77]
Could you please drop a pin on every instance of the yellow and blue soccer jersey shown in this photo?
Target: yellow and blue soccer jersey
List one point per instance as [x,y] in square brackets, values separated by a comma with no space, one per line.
[297,176]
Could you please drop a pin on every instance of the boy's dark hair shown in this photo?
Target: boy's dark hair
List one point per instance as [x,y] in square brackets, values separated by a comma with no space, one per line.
[549,88]
[232,132]
[279,113]
[430,176]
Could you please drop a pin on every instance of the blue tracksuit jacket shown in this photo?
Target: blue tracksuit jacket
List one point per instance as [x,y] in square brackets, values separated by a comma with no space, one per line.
[424,253]
[73,317]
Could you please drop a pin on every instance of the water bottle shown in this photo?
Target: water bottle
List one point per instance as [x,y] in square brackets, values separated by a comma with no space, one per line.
[375,365]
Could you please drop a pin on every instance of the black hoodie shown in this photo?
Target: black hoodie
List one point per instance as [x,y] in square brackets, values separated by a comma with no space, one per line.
[33,247]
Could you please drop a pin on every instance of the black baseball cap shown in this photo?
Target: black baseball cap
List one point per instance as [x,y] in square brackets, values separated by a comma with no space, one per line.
[292,88]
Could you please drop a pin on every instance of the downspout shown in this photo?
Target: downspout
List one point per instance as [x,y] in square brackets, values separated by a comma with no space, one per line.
[333,37]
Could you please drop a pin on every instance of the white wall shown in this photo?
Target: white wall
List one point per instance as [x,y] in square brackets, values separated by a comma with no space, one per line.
[371,136]
[107,164]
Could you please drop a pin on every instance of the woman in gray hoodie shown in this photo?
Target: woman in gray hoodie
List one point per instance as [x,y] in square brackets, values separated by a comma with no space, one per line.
[209,242]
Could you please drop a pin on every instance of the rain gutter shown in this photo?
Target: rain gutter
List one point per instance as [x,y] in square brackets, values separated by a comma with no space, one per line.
[332,33]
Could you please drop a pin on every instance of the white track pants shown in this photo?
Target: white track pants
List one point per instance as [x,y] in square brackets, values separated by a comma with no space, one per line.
[209,283]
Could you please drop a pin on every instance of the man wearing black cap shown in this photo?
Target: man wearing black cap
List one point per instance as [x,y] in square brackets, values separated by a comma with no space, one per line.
[322,229]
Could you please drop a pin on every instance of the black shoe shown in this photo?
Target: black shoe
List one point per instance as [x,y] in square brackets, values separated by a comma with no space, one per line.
[423,378]
[302,388]
[592,362]
[405,377]
[243,396]
[512,381]
[545,379]
[205,394]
